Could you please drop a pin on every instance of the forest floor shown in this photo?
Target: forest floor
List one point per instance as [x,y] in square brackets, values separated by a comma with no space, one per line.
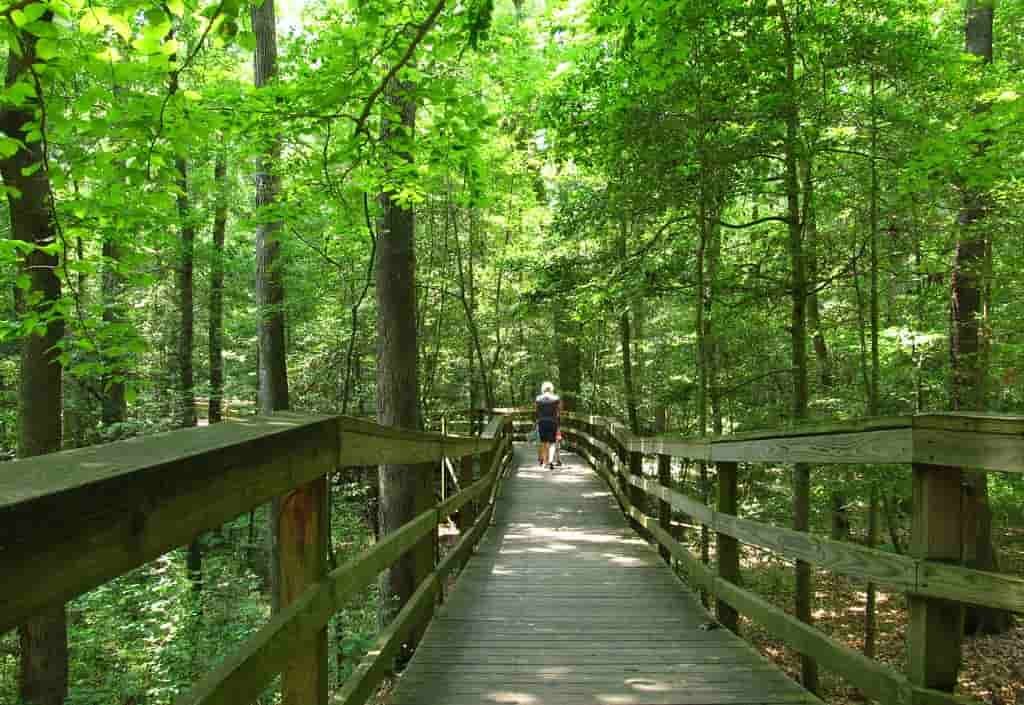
[992,669]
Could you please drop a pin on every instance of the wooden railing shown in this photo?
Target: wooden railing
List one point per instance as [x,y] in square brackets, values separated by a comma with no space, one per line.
[939,447]
[93,514]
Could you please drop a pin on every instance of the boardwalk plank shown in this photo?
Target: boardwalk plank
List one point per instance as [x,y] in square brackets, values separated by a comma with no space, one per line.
[564,604]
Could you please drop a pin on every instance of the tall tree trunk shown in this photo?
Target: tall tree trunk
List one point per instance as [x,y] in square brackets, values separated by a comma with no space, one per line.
[702,363]
[216,332]
[840,516]
[186,416]
[873,386]
[966,335]
[115,404]
[272,368]
[798,331]
[625,341]
[405,490]
[184,267]
[567,342]
[468,297]
[186,336]
[44,644]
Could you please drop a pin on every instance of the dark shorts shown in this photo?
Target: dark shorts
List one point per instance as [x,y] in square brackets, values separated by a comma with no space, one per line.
[547,428]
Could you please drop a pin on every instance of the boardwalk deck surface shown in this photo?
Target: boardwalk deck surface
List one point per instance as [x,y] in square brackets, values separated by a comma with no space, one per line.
[565,605]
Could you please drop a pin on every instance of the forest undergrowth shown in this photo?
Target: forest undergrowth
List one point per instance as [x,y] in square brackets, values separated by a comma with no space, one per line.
[992,669]
[142,638]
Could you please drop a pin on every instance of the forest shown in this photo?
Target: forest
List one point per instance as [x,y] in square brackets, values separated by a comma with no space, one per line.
[700,217]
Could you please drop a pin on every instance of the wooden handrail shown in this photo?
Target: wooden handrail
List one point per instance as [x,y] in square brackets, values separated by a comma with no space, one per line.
[255,664]
[993,442]
[112,508]
[907,573]
[975,441]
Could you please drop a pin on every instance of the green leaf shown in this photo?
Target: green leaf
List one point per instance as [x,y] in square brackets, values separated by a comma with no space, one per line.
[47,49]
[246,40]
[92,20]
[34,11]
[31,169]
[121,26]
[9,146]
[41,28]
[177,7]
[19,93]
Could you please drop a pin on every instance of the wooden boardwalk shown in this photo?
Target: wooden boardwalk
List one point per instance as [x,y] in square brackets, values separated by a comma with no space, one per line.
[565,605]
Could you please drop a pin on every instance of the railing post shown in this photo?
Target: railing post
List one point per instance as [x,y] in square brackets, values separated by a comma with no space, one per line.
[726,547]
[936,626]
[467,514]
[304,533]
[664,508]
[636,495]
[665,480]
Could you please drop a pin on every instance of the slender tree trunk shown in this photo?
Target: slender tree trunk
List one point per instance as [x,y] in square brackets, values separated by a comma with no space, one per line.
[216,334]
[567,342]
[186,308]
[405,490]
[186,406]
[625,341]
[702,367]
[840,516]
[115,405]
[798,330]
[873,386]
[186,337]
[44,645]
[467,294]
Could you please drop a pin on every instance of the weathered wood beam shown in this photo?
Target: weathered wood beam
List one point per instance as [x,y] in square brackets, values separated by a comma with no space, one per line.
[96,513]
[905,573]
[727,551]
[936,626]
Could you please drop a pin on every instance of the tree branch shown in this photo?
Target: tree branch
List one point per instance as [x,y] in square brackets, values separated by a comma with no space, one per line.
[421,32]
[766,219]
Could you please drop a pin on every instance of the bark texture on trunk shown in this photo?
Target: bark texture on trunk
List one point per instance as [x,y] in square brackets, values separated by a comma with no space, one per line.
[798,330]
[273,374]
[216,331]
[272,368]
[44,647]
[186,303]
[967,336]
[405,491]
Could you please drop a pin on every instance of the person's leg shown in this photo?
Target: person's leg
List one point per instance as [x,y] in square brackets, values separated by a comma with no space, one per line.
[543,454]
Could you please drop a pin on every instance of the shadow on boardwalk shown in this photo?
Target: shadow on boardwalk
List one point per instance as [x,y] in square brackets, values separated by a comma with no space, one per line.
[564,604]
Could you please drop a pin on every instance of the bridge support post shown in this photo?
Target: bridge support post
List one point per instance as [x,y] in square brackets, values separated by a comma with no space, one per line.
[636,495]
[664,508]
[727,548]
[936,626]
[665,480]
[467,515]
[304,534]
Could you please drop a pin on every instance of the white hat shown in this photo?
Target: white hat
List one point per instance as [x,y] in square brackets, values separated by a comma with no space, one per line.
[547,388]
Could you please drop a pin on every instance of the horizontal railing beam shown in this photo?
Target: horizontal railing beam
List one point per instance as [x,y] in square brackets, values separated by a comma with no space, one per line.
[112,508]
[973,441]
[250,669]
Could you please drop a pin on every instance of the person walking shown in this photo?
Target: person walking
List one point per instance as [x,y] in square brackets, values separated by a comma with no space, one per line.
[549,409]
